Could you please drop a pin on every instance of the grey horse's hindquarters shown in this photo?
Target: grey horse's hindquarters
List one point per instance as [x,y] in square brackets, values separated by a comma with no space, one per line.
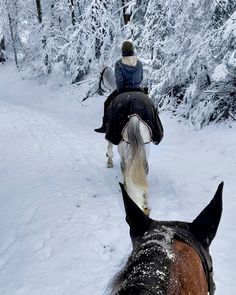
[127,104]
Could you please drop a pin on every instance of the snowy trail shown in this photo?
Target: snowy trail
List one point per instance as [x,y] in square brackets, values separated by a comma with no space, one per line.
[53,195]
[62,221]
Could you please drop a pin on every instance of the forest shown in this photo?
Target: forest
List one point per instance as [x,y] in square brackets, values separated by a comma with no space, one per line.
[65,228]
[188,47]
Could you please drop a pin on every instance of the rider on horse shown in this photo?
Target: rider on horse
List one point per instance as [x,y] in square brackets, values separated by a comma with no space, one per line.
[128,77]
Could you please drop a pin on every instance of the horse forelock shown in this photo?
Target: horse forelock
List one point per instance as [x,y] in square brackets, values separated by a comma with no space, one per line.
[148,267]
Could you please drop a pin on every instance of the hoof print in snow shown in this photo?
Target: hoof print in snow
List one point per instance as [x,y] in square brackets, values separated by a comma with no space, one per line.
[108,248]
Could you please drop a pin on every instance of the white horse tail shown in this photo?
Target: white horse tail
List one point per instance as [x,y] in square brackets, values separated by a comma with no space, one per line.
[136,162]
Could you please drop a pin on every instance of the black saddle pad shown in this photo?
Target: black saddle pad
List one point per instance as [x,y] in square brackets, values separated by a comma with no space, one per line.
[127,104]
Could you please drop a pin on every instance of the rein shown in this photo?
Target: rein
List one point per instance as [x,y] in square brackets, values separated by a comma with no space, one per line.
[101,81]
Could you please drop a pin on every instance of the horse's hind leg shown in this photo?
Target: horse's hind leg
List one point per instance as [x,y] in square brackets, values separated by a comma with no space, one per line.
[109,155]
[122,150]
[147,151]
[146,208]
[146,167]
[122,165]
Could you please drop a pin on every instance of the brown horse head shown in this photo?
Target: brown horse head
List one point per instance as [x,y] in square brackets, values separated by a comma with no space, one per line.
[169,257]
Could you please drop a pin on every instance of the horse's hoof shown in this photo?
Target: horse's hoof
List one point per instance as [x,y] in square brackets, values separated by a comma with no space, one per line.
[146,211]
[109,163]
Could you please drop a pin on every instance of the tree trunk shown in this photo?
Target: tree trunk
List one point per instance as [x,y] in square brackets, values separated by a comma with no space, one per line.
[39,11]
[2,43]
[44,39]
[72,10]
[2,48]
[95,28]
[126,16]
[99,8]
[79,8]
[13,38]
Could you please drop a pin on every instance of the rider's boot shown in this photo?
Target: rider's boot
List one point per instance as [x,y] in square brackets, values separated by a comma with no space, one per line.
[102,129]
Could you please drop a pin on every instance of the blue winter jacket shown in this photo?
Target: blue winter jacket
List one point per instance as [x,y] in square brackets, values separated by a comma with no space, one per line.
[128,76]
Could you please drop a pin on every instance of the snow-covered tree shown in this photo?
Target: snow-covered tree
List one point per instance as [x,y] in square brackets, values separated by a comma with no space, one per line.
[187,46]
[186,43]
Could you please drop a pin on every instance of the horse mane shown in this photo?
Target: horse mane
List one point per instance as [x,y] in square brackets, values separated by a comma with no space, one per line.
[148,267]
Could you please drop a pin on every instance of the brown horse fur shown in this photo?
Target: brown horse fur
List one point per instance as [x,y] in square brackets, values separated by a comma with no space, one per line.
[185,268]
[169,257]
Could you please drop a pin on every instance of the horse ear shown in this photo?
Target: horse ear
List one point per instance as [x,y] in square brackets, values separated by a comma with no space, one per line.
[206,224]
[136,219]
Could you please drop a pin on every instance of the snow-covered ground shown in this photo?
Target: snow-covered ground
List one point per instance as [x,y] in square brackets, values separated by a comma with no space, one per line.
[62,228]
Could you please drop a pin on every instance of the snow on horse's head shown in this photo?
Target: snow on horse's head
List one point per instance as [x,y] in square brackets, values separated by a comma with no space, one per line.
[169,257]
